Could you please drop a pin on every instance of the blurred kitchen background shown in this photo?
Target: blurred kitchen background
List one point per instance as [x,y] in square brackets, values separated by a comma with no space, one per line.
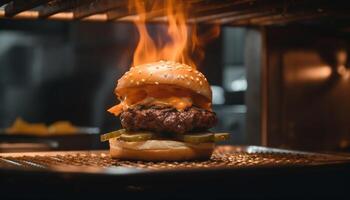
[51,71]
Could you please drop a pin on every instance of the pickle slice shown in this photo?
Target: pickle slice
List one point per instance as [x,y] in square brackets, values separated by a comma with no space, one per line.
[110,135]
[197,138]
[136,137]
[218,137]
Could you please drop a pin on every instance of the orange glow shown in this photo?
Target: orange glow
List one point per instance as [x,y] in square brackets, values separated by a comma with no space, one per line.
[317,73]
[343,72]
[180,42]
[341,57]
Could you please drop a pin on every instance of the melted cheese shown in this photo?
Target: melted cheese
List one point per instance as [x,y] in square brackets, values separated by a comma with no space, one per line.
[166,96]
[117,109]
[180,103]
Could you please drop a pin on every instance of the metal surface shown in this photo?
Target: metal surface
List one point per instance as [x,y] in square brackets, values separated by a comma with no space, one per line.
[223,157]
[240,172]
[233,12]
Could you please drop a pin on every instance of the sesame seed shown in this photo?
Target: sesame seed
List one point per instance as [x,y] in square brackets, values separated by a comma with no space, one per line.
[197,79]
[143,80]
[139,71]
[198,92]
[137,83]
[189,70]
[200,83]
[191,77]
[186,75]
[131,81]
[157,83]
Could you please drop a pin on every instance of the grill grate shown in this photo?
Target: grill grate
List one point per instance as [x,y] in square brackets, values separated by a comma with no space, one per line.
[224,156]
[231,12]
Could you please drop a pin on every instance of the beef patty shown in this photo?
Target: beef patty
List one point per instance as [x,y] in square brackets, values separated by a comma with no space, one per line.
[168,120]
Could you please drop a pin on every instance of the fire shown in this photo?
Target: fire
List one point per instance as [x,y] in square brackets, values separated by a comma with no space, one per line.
[180,43]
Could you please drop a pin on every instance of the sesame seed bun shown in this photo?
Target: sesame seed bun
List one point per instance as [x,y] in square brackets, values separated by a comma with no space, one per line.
[165,73]
[159,150]
[155,77]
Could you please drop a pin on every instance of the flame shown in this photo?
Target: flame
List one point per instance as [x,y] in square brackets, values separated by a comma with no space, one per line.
[180,43]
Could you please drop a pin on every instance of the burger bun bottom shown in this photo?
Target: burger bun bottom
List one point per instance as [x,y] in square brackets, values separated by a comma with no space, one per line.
[160,150]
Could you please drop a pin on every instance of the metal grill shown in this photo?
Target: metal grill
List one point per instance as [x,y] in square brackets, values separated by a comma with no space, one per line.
[223,157]
[231,12]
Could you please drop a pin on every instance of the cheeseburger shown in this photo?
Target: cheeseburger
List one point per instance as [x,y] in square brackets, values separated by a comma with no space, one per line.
[165,111]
